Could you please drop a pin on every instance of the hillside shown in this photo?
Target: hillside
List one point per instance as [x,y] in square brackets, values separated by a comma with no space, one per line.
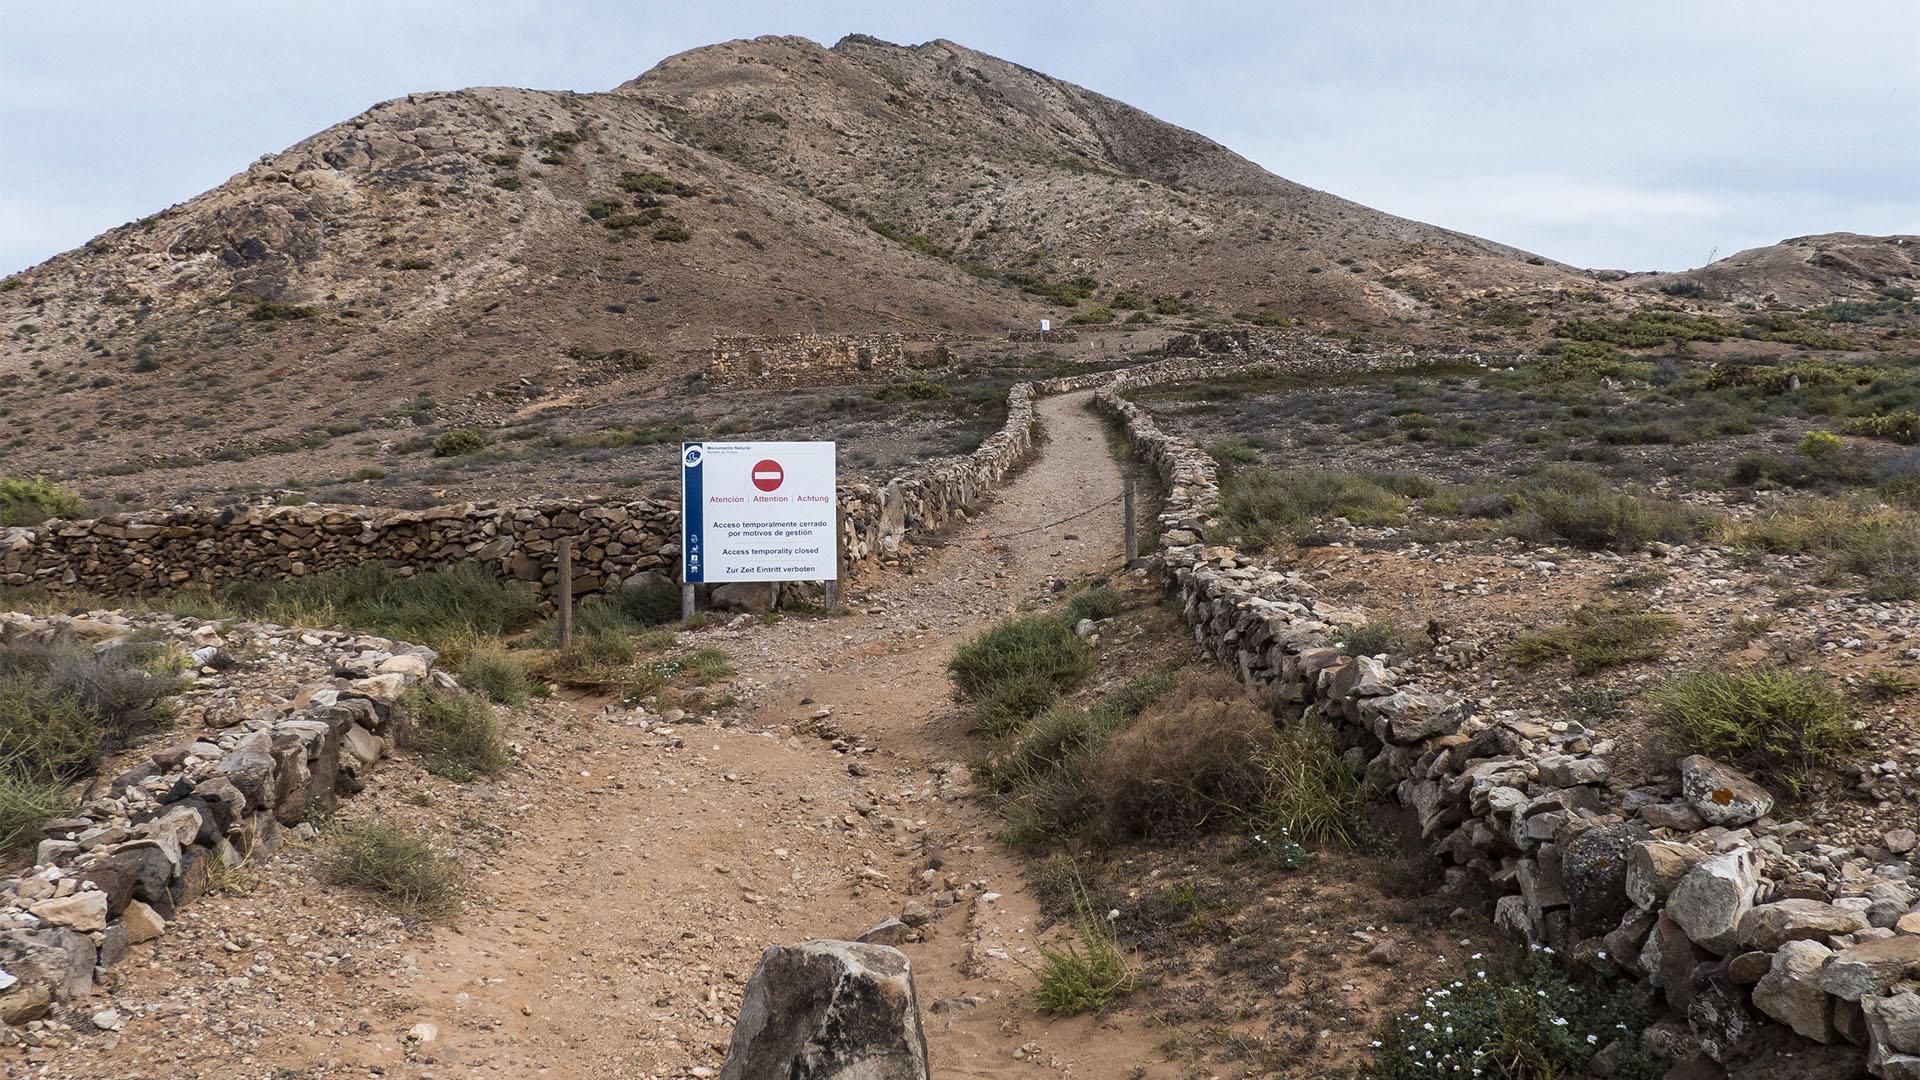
[455,244]
[500,256]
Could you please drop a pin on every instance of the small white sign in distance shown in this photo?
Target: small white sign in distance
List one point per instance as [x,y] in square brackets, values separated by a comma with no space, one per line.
[759,511]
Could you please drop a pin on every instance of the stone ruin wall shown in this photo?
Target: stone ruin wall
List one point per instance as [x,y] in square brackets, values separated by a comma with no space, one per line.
[115,872]
[1745,925]
[161,551]
[752,361]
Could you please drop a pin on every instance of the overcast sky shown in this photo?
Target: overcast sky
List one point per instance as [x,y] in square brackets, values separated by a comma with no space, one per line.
[1628,134]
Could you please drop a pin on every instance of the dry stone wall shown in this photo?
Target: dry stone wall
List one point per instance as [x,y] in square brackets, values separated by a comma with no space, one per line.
[758,362]
[160,551]
[114,873]
[1740,920]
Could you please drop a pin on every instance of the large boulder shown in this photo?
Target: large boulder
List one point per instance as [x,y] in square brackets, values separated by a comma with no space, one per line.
[1712,898]
[1593,870]
[1790,991]
[829,1010]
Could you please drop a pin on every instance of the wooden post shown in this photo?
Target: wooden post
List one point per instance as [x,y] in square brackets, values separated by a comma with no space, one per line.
[839,556]
[686,601]
[566,592]
[1133,541]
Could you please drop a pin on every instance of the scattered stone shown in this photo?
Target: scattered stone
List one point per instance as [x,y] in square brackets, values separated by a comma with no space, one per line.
[142,922]
[1900,841]
[108,1019]
[892,933]
[1385,952]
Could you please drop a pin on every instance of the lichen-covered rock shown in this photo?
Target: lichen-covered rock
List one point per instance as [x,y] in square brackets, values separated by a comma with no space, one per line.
[1593,870]
[1721,794]
[829,1010]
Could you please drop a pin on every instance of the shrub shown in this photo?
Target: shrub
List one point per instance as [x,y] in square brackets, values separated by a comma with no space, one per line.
[1775,723]
[1901,427]
[1096,603]
[62,713]
[1238,450]
[1264,508]
[1597,636]
[26,804]
[443,608]
[648,601]
[1311,793]
[1071,981]
[1820,445]
[1193,758]
[672,234]
[1886,554]
[406,872]
[1582,509]
[1533,1025]
[1371,639]
[1017,669]
[25,501]
[458,732]
[496,677]
[459,442]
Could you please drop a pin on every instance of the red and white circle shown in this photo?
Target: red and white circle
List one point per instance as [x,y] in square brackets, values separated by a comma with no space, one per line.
[768,475]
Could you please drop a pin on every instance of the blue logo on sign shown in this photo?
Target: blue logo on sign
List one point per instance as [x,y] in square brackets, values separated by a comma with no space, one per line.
[691,457]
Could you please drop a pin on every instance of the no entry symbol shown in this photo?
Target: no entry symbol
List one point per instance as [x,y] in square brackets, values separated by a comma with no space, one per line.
[768,474]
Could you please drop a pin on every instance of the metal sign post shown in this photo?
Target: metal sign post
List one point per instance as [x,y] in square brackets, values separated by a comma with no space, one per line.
[759,512]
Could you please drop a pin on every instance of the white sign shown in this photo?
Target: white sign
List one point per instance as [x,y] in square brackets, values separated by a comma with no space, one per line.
[1046,325]
[757,511]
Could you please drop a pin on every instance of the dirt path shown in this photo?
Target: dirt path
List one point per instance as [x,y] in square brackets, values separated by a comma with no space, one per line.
[644,868]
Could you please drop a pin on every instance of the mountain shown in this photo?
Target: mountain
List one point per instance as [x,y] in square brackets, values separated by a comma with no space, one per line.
[473,254]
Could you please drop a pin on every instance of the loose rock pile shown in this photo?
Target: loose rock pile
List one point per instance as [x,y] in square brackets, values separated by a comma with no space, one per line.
[1690,885]
[113,874]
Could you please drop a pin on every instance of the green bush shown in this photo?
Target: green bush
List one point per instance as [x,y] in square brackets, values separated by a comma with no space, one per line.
[1583,509]
[1598,636]
[26,804]
[1775,723]
[30,501]
[1017,669]
[1902,427]
[458,732]
[62,713]
[406,872]
[1820,445]
[1535,1024]
[495,676]
[459,443]
[442,608]
[1311,793]
[1884,553]
[647,602]
[1071,981]
[1096,603]
[1264,508]
[1372,639]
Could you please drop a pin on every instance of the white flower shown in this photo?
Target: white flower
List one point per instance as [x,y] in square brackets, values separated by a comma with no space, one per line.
[1593,1038]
